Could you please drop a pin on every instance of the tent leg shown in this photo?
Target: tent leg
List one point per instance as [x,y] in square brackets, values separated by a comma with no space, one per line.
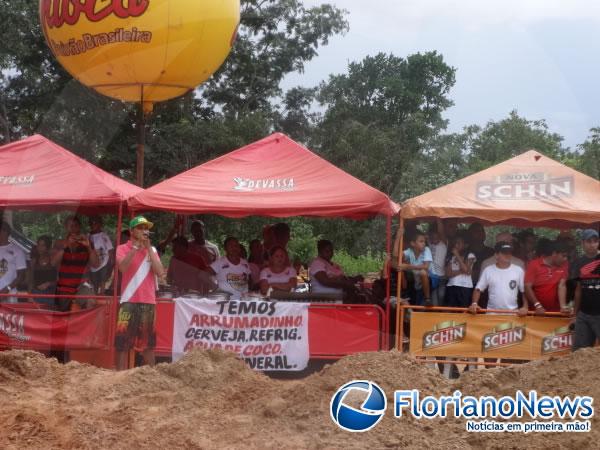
[114,305]
[399,309]
[388,247]
[141,141]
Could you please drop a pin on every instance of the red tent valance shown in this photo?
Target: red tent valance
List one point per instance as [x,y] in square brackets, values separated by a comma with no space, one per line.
[36,173]
[275,177]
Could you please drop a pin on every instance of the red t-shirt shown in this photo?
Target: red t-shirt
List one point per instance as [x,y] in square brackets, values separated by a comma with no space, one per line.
[184,272]
[545,279]
[138,284]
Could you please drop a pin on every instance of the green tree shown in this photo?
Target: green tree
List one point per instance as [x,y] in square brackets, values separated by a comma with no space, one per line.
[237,105]
[379,114]
[441,162]
[275,37]
[502,140]
[588,160]
[297,118]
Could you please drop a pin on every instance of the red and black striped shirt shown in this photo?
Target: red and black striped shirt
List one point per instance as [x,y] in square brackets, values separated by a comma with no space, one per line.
[73,270]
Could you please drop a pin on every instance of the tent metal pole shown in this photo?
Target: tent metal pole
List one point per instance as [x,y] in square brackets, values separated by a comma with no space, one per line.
[115,304]
[399,309]
[141,140]
[388,247]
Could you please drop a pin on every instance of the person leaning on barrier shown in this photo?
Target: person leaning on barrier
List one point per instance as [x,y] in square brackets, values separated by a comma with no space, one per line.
[326,277]
[503,281]
[586,270]
[188,271]
[140,267]
[232,272]
[504,237]
[417,258]
[438,244]
[256,262]
[201,246]
[459,290]
[42,274]
[279,275]
[12,265]
[546,280]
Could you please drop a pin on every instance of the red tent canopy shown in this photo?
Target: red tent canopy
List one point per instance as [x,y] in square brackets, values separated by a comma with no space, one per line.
[39,174]
[274,177]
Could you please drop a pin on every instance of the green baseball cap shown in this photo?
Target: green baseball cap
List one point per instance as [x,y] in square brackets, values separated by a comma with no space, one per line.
[139,220]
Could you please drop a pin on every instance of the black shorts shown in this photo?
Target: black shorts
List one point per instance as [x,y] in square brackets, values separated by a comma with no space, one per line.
[136,327]
[99,277]
[458,296]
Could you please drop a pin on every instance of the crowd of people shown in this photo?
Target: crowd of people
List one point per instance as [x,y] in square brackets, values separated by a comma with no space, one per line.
[66,273]
[76,264]
[449,265]
[197,266]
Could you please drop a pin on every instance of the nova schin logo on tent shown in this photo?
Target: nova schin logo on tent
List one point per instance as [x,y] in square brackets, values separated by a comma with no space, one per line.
[358,419]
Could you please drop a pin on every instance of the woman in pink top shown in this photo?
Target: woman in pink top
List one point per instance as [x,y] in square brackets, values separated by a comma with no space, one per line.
[279,274]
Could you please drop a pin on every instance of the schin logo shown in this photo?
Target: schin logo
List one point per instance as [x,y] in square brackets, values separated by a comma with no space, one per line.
[504,335]
[17,179]
[559,340]
[276,184]
[444,333]
[525,186]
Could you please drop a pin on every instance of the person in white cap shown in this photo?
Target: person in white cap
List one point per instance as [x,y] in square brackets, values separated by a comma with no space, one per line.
[503,281]
[503,237]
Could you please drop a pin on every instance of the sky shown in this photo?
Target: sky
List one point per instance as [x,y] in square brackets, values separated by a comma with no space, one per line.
[540,57]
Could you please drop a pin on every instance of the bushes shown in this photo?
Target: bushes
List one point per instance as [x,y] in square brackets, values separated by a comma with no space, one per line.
[355,265]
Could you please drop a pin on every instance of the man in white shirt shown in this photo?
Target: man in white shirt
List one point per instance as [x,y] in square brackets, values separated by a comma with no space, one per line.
[503,281]
[503,237]
[12,265]
[104,249]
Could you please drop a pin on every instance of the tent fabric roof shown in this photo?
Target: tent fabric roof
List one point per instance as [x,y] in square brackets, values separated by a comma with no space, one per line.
[527,188]
[275,177]
[39,174]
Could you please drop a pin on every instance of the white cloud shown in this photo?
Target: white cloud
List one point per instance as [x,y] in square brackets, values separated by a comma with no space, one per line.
[536,56]
[471,13]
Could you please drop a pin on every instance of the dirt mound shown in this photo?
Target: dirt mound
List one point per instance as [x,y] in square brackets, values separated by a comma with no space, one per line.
[209,399]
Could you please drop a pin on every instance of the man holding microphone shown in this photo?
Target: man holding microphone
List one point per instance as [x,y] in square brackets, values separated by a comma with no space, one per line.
[139,265]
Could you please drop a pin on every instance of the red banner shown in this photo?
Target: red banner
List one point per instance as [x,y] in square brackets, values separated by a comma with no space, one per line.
[333,330]
[24,327]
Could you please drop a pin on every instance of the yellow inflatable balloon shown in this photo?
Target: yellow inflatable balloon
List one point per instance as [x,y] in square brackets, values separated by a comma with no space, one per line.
[135,50]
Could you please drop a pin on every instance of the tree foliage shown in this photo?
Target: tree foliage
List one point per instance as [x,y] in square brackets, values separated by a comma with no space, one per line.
[380,113]
[382,120]
[589,157]
[499,141]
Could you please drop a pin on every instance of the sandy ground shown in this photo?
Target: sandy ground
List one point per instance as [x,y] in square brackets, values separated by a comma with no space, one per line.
[211,400]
